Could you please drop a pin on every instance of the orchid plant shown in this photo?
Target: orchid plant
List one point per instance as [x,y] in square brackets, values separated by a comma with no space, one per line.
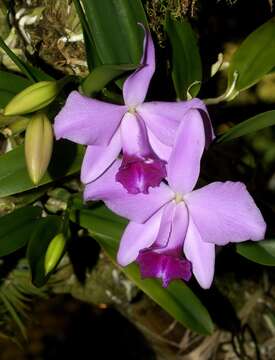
[173,230]
[156,190]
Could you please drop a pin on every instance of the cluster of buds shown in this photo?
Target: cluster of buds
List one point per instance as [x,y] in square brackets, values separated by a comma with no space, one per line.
[39,134]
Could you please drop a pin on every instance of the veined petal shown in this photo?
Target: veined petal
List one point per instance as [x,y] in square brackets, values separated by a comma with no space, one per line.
[136,85]
[134,207]
[98,158]
[225,212]
[137,237]
[88,121]
[141,168]
[164,118]
[201,254]
[184,164]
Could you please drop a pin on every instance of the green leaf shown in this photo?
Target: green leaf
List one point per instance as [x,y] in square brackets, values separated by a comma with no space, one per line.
[102,75]
[113,24]
[178,300]
[41,237]
[14,177]
[262,252]
[253,124]
[254,58]
[186,61]
[10,85]
[16,229]
[91,54]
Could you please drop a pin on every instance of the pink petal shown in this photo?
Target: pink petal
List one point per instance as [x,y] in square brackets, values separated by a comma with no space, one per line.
[134,207]
[184,164]
[87,121]
[136,86]
[161,150]
[201,254]
[141,168]
[136,237]
[164,118]
[225,212]
[98,158]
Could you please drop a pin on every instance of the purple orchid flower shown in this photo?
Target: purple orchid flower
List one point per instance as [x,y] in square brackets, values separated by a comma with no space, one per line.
[174,229]
[145,132]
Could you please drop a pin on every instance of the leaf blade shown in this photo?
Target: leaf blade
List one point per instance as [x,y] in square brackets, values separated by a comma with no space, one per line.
[16,227]
[262,252]
[248,126]
[254,58]
[186,61]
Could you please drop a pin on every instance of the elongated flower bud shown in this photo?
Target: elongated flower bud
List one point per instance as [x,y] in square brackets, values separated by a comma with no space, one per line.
[33,98]
[38,146]
[54,252]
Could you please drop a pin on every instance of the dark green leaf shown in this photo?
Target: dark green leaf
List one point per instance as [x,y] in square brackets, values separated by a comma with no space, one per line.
[113,24]
[10,85]
[14,177]
[253,124]
[262,252]
[16,228]
[186,61]
[177,299]
[102,75]
[254,58]
[91,54]
[41,237]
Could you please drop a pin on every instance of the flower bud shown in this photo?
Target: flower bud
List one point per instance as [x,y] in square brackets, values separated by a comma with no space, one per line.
[33,98]
[54,252]
[38,146]
[19,125]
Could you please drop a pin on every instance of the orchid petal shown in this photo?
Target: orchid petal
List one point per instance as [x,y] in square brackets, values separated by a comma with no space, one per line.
[137,237]
[87,121]
[98,158]
[184,164]
[136,85]
[162,151]
[164,118]
[225,212]
[134,207]
[201,254]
